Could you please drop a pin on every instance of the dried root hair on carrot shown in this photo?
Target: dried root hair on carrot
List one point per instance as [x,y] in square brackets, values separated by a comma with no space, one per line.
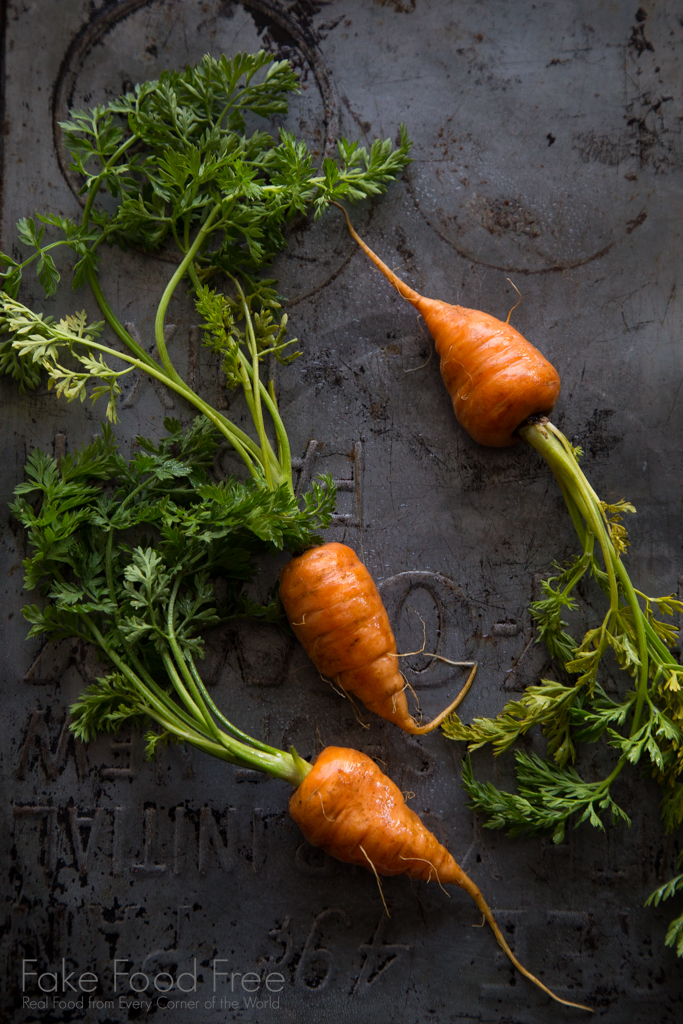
[377,878]
[507,321]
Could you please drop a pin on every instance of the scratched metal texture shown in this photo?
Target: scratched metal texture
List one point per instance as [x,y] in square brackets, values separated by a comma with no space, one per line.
[547,150]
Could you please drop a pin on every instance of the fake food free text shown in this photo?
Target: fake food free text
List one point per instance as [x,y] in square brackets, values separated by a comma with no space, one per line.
[63,980]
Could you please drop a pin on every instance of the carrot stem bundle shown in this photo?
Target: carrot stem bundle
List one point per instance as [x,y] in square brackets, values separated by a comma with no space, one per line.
[652,713]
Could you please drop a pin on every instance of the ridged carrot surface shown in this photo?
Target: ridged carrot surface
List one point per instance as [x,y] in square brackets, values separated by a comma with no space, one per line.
[496,378]
[336,612]
[349,808]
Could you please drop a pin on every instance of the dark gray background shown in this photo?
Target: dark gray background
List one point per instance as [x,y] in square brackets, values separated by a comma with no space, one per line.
[547,150]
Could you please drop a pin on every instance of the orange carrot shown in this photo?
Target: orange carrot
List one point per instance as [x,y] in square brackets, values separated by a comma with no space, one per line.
[337,614]
[495,377]
[354,812]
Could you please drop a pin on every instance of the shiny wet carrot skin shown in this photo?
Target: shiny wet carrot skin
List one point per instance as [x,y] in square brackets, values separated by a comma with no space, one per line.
[349,808]
[336,612]
[496,379]
[346,802]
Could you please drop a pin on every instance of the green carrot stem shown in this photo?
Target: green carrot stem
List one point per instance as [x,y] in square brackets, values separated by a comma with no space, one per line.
[565,467]
[606,783]
[556,451]
[229,429]
[195,739]
[181,663]
[145,686]
[267,455]
[667,658]
[639,622]
[255,405]
[242,443]
[283,472]
[289,767]
[283,450]
[284,459]
[575,515]
[115,323]
[221,717]
[138,667]
[279,764]
[171,287]
[39,252]
[95,185]
[182,691]
[581,568]
[162,707]
[276,763]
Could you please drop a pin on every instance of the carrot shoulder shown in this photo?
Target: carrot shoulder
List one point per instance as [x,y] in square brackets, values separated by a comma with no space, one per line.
[496,378]
[337,614]
[354,812]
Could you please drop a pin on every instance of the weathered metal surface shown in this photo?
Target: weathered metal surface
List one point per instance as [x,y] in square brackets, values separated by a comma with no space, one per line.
[547,150]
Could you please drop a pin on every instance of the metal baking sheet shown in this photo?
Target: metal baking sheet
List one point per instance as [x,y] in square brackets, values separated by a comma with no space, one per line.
[547,151]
